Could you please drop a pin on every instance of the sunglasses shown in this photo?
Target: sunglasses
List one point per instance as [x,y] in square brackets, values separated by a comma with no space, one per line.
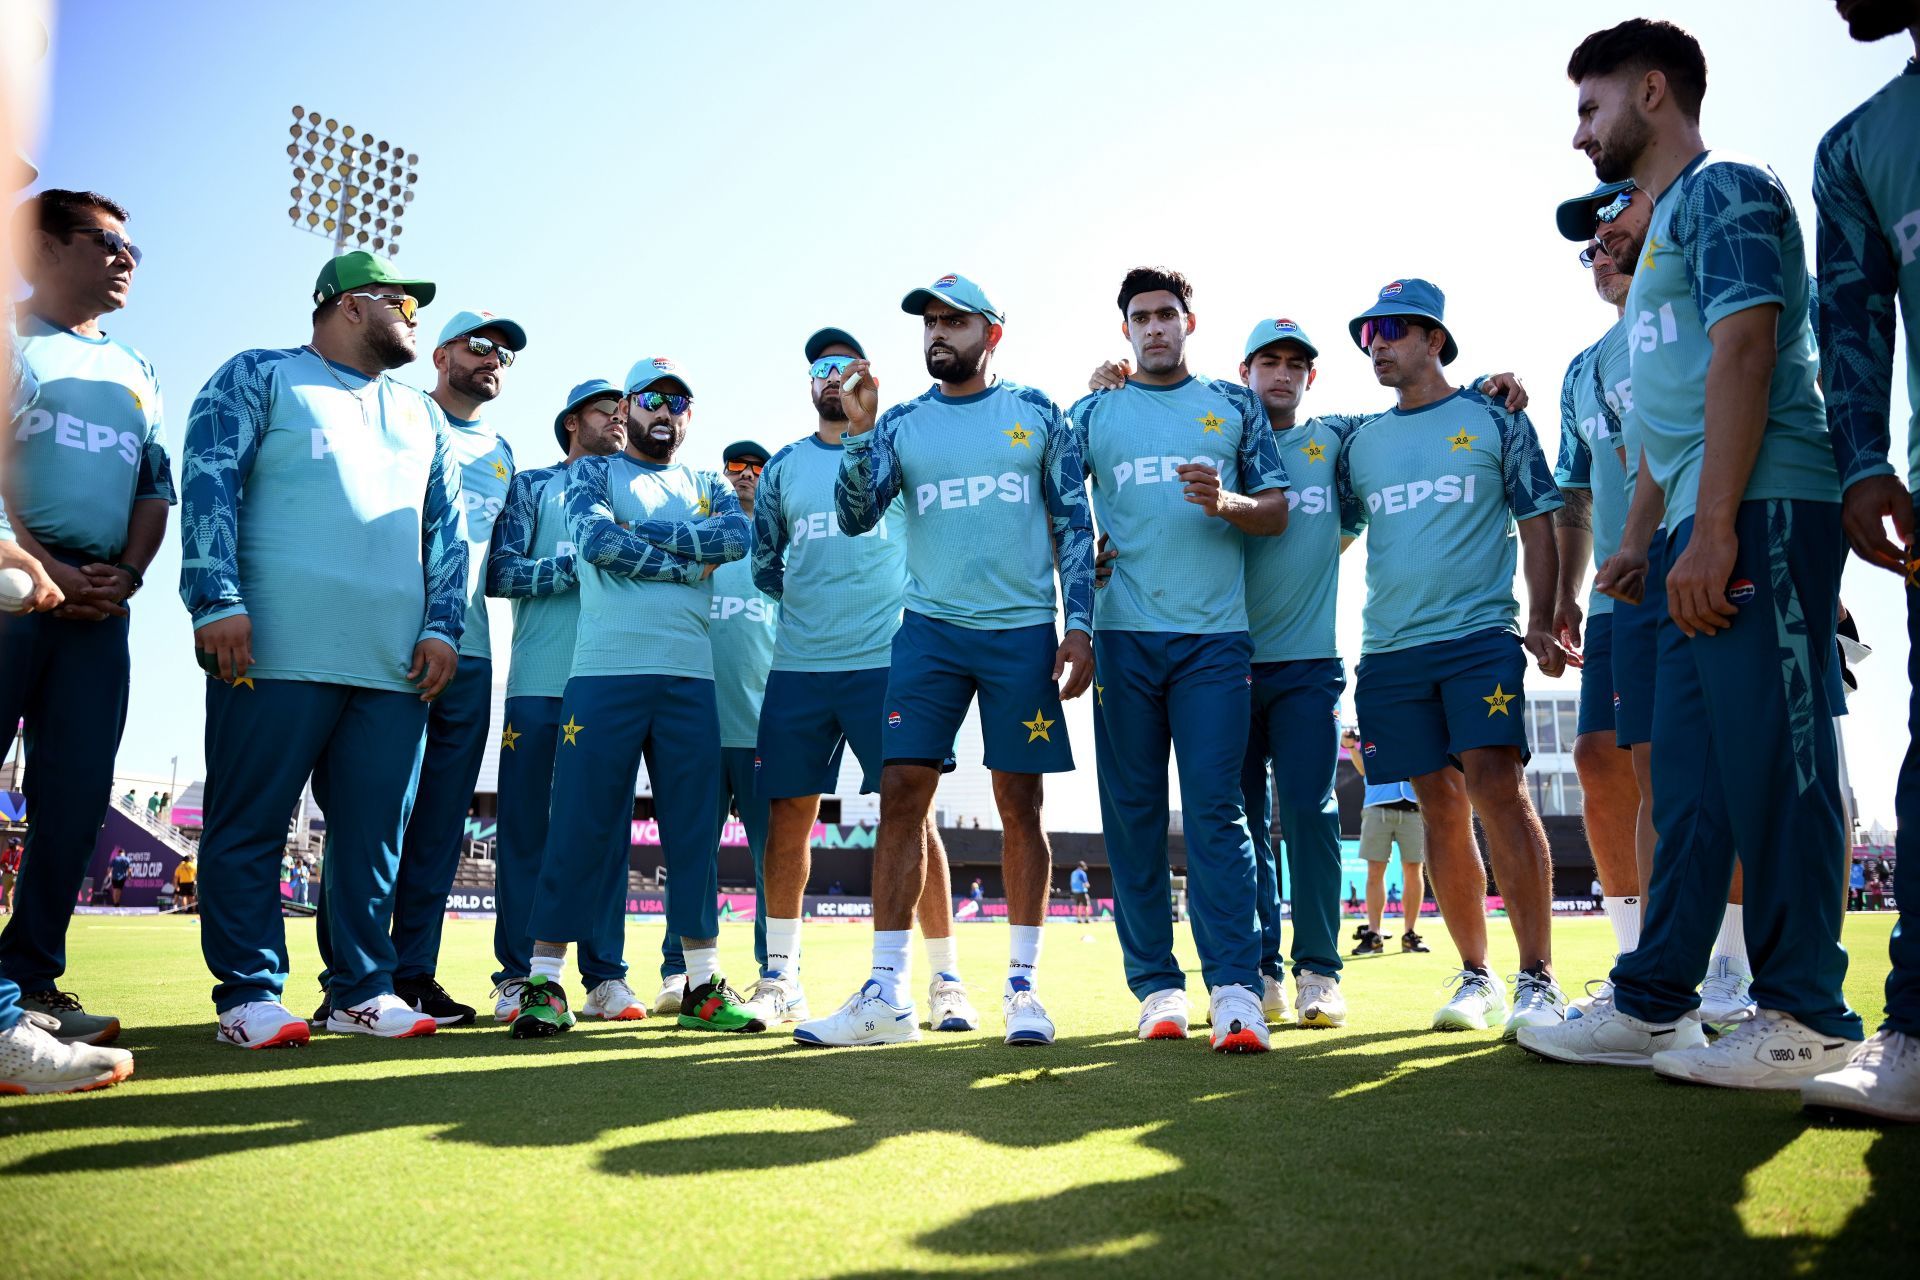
[1618,206]
[405,303]
[740,466]
[827,366]
[1588,254]
[651,400]
[114,243]
[1390,328]
[488,347]
[606,408]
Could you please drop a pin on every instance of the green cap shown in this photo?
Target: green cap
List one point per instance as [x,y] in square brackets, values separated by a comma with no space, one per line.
[352,270]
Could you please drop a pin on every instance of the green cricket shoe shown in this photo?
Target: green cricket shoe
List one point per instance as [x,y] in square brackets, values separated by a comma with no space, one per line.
[715,1006]
[543,1010]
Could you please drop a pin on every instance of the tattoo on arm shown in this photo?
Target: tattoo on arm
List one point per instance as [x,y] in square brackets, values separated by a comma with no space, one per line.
[1577,513]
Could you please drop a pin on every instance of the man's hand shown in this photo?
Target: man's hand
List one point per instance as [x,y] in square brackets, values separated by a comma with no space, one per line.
[87,600]
[1110,376]
[1075,650]
[1547,655]
[1103,563]
[1623,577]
[1201,487]
[1864,513]
[1697,584]
[859,397]
[1567,619]
[1505,386]
[434,662]
[229,642]
[46,592]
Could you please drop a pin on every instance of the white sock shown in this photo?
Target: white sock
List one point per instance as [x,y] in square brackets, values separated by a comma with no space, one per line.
[1025,958]
[783,947]
[703,963]
[943,957]
[893,963]
[1732,941]
[548,967]
[1624,913]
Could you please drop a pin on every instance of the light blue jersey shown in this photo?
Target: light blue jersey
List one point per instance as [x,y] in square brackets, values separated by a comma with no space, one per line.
[644,534]
[486,464]
[1439,488]
[1180,570]
[531,563]
[839,595]
[995,495]
[1598,384]
[1723,239]
[741,623]
[328,514]
[91,445]
[1293,581]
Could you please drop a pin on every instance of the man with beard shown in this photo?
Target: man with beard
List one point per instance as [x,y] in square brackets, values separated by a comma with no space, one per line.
[839,608]
[1734,433]
[325,567]
[532,562]
[475,347]
[88,487]
[995,498]
[1866,181]
[647,534]
[1174,656]
[1441,480]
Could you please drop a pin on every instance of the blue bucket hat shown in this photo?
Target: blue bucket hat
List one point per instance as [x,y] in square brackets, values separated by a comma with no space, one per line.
[590,390]
[648,370]
[957,292]
[824,338]
[466,322]
[1268,332]
[1578,217]
[1420,299]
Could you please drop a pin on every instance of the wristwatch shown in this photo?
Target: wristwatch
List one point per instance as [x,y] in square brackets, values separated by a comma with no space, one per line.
[138,580]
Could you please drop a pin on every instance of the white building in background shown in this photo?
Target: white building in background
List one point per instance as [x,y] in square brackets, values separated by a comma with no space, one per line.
[1553,717]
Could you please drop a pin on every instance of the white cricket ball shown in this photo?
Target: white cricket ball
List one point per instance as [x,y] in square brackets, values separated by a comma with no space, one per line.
[16,588]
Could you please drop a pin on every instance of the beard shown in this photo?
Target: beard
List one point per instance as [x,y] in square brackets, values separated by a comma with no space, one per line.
[467,384]
[391,347]
[1877,19]
[956,364]
[827,405]
[656,450]
[1620,152]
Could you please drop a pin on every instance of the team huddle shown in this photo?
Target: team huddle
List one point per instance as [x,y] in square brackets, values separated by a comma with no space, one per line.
[1168,545]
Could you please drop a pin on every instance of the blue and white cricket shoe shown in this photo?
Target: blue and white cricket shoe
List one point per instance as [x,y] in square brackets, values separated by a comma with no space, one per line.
[1027,1020]
[866,1018]
[951,1010]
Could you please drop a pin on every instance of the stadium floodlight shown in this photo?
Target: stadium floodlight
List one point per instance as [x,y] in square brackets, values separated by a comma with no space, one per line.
[352,188]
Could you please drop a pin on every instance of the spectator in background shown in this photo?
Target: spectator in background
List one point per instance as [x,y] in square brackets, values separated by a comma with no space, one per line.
[1876,892]
[130,800]
[153,807]
[119,867]
[301,882]
[978,894]
[1081,888]
[9,871]
[184,877]
[1391,816]
[1857,887]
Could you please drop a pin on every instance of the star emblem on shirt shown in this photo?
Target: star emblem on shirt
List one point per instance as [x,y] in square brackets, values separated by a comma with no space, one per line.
[1498,700]
[1210,425]
[571,730]
[499,469]
[1913,573]
[1019,435]
[704,507]
[138,403]
[1653,243]
[1315,451]
[1463,441]
[1037,727]
[509,737]
[1100,695]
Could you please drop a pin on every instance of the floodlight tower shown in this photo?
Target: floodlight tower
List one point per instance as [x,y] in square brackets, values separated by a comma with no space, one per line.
[352,188]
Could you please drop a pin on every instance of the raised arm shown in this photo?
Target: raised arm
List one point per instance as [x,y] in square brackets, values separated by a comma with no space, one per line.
[869,476]
[512,574]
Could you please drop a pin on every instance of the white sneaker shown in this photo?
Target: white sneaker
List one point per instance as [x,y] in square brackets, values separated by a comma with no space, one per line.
[262,1024]
[1478,1003]
[949,1008]
[777,1000]
[32,1061]
[506,999]
[1772,1050]
[1239,1024]
[1322,1003]
[1537,1002]
[386,1016]
[1599,992]
[866,1018]
[1273,999]
[1027,1020]
[673,993]
[614,1001]
[1724,1000]
[1607,1037]
[1881,1079]
[1163,1015]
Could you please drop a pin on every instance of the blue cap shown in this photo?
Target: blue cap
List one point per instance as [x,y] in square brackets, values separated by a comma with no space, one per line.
[591,389]
[648,370]
[1420,299]
[745,449]
[957,292]
[1268,332]
[467,322]
[824,338]
[1577,217]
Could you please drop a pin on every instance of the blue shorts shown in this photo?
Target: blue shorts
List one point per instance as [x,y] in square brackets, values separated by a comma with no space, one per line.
[937,669]
[1596,677]
[1636,648]
[808,720]
[1421,707]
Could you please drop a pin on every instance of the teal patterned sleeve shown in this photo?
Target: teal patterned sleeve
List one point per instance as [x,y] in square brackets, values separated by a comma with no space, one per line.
[224,429]
[869,475]
[1574,470]
[1063,487]
[723,536]
[601,540]
[443,545]
[1353,513]
[1260,465]
[511,573]
[770,531]
[1529,486]
[1729,226]
[1858,284]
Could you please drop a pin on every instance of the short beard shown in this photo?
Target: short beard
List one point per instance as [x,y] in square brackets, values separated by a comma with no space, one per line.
[1623,150]
[1615,293]
[961,366]
[389,347]
[464,384]
[827,405]
[1876,21]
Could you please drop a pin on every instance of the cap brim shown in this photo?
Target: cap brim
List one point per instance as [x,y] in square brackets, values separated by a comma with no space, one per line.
[656,380]
[915,304]
[1313,352]
[825,338]
[516,336]
[1575,217]
[744,449]
[422,290]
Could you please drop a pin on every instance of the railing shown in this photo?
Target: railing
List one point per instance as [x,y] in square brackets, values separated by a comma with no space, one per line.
[175,839]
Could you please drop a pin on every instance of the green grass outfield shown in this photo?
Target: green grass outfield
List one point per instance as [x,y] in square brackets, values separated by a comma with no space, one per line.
[1380,1149]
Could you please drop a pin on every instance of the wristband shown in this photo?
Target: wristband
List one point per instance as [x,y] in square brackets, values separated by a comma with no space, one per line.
[138,580]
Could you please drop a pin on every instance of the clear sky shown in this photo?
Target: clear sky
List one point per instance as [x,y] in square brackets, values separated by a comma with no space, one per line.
[715,182]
